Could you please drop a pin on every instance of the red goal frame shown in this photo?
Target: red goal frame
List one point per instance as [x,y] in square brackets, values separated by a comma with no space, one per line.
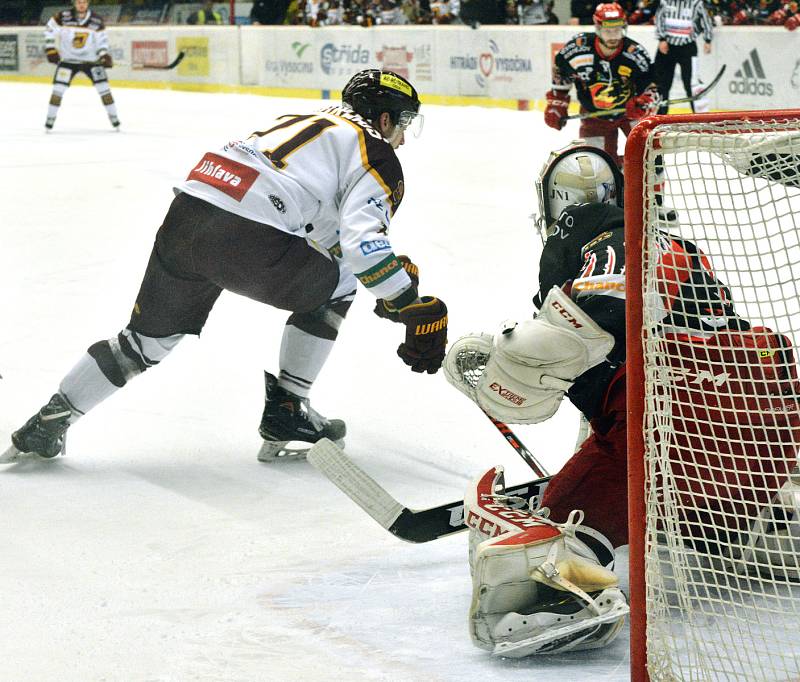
[635,211]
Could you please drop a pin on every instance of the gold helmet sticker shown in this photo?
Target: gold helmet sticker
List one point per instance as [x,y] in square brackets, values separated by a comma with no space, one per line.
[392,81]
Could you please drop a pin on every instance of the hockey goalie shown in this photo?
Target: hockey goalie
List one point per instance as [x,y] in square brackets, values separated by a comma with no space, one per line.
[542,578]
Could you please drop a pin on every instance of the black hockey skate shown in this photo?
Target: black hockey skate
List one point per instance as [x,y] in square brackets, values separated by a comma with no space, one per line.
[667,216]
[289,425]
[44,433]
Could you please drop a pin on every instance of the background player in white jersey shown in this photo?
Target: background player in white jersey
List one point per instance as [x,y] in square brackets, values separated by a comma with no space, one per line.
[541,582]
[75,40]
[292,216]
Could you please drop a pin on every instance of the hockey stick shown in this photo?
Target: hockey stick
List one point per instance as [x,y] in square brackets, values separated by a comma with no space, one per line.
[165,67]
[411,525]
[463,367]
[669,102]
[159,67]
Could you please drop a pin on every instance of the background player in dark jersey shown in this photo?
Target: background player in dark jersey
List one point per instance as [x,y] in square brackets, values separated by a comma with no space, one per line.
[293,216]
[575,347]
[609,71]
[75,40]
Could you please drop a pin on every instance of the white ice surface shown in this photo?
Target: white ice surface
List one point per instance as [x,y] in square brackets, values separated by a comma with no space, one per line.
[159,548]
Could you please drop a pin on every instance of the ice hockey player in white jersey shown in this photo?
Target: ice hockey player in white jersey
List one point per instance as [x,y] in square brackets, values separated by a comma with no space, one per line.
[76,42]
[541,578]
[292,216]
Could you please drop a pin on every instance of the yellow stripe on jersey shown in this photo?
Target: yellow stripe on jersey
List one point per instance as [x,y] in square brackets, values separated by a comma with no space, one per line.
[362,148]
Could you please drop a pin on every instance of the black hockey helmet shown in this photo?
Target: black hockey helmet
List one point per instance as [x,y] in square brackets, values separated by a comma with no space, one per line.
[576,174]
[372,91]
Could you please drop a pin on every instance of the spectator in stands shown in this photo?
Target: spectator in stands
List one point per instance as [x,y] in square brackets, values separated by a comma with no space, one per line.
[206,15]
[391,13]
[530,12]
[445,11]
[477,12]
[268,12]
[582,12]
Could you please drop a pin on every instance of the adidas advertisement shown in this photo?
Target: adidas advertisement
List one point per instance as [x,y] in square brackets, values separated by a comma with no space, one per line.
[751,79]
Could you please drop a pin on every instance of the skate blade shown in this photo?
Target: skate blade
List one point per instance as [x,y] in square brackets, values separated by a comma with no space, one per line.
[10,455]
[272,451]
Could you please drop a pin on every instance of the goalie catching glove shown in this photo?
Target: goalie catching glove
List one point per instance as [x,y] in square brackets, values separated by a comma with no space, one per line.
[520,375]
[536,587]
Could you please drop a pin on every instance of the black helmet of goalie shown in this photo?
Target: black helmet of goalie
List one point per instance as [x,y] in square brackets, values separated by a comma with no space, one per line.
[372,92]
[577,174]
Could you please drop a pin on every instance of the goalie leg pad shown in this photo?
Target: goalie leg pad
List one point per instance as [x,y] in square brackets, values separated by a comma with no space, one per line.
[536,587]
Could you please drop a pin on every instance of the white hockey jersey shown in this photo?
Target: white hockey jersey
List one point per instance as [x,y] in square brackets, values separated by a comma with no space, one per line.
[329,177]
[78,41]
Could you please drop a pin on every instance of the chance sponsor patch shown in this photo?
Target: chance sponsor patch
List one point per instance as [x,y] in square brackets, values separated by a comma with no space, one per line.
[380,272]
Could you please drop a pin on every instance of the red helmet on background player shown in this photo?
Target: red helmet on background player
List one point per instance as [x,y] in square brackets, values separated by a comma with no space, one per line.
[610,23]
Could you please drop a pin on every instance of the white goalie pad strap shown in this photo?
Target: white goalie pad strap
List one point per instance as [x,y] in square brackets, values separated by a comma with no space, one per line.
[533,363]
[490,512]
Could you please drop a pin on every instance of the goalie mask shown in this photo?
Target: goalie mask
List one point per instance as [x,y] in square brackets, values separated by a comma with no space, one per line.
[577,174]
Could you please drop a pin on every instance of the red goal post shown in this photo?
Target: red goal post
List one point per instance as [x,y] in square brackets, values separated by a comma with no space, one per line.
[709,568]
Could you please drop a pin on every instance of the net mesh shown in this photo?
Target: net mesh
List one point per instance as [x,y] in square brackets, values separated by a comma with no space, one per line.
[721,323]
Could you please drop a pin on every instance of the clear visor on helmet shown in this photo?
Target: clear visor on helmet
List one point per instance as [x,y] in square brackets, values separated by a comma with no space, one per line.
[611,31]
[411,121]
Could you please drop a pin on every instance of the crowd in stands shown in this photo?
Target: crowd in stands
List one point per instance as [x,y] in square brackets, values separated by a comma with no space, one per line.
[392,12]
[476,12]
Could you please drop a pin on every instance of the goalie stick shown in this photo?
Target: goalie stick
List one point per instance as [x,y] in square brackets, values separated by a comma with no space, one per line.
[411,525]
[516,443]
[681,100]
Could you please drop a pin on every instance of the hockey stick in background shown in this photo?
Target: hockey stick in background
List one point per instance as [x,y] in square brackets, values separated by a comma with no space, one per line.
[160,67]
[681,100]
[165,67]
[411,525]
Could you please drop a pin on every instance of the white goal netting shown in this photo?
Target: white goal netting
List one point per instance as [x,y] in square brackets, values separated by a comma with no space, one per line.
[721,327]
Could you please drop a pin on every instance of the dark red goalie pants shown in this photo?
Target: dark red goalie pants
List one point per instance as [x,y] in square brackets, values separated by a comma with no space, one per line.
[735,433]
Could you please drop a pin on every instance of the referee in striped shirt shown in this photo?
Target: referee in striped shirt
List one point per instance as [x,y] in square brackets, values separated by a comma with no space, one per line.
[678,24]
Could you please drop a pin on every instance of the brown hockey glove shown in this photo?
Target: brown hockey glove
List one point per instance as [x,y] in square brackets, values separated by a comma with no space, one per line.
[385,309]
[106,61]
[426,335]
[793,22]
[52,55]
